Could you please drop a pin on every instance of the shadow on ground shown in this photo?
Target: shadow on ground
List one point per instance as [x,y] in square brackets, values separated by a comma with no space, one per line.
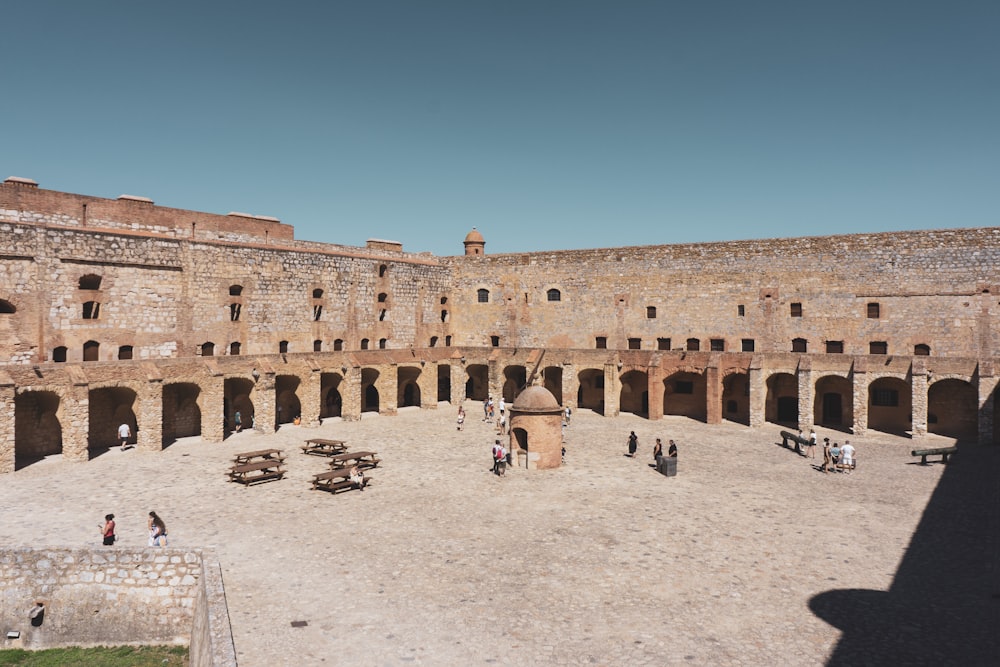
[943,607]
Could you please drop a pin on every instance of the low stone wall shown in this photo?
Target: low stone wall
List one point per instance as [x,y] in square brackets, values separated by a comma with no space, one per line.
[115,596]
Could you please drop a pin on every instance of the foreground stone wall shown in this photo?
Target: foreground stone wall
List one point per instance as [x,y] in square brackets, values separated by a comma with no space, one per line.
[115,596]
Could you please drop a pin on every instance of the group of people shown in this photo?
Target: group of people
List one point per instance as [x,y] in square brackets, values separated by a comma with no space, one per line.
[155,525]
[835,457]
[633,447]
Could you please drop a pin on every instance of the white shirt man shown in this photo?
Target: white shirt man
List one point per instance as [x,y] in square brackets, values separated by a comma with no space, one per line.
[124,433]
[847,455]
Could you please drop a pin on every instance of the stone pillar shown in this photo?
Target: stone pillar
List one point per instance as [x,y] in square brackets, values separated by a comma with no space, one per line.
[211,401]
[654,381]
[149,417]
[807,394]
[987,385]
[859,377]
[612,390]
[918,397]
[7,443]
[388,390]
[350,394]
[458,379]
[713,393]
[428,386]
[311,397]
[74,417]
[758,393]
[570,386]
[265,403]
[496,379]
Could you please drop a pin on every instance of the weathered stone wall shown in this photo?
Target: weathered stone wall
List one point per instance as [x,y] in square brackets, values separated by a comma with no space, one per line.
[117,596]
[938,288]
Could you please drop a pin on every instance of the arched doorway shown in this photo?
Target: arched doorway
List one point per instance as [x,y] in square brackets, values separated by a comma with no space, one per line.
[237,399]
[181,411]
[833,405]
[329,391]
[553,376]
[590,393]
[781,406]
[369,392]
[684,393]
[288,407]
[477,384]
[407,387]
[444,382]
[37,430]
[515,378]
[109,407]
[736,398]
[952,409]
[890,405]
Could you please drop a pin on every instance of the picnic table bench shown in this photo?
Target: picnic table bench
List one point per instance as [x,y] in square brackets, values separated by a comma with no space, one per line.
[945,452]
[799,442]
[256,471]
[324,447]
[349,459]
[261,455]
[335,480]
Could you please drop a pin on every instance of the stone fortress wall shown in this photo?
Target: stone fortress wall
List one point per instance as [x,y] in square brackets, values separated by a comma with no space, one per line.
[172,320]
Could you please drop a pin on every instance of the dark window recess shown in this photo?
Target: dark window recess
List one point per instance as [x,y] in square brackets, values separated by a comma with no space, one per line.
[834,347]
[717,345]
[338,345]
[7,308]
[483,296]
[235,290]
[662,343]
[317,346]
[741,310]
[693,344]
[447,341]
[381,314]
[208,349]
[283,347]
[650,312]
[886,398]
[796,310]
[800,345]
[234,349]
[91,350]
[434,341]
[553,295]
[91,310]
[234,312]
[382,342]
[90,282]
[878,347]
[747,345]
[874,311]
[635,343]
[684,387]
[922,350]
[495,341]
[125,352]
[601,343]
[382,297]
[317,293]
[317,312]
[444,315]
[59,354]
[364,343]
[382,269]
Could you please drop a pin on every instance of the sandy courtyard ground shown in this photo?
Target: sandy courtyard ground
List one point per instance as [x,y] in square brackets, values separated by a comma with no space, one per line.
[439,562]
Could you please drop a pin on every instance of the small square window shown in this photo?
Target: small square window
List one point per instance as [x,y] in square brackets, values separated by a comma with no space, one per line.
[796,310]
[878,347]
[662,343]
[717,345]
[650,312]
[693,344]
[602,343]
[741,310]
[834,347]
[483,296]
[874,311]
[634,343]
[747,345]
[800,345]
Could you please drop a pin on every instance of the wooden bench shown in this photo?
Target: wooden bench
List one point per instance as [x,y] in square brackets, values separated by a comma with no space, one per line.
[799,442]
[257,471]
[336,480]
[945,452]
[324,447]
[259,455]
[348,459]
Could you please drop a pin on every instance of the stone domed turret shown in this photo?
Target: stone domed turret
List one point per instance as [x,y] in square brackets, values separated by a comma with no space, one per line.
[475,244]
[536,399]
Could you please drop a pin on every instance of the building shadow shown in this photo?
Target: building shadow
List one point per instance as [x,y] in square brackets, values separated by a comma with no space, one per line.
[943,607]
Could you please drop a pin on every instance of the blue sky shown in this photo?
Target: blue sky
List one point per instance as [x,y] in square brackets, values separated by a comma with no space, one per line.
[546,125]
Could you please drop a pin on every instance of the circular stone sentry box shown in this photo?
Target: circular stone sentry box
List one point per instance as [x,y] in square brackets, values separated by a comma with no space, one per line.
[536,429]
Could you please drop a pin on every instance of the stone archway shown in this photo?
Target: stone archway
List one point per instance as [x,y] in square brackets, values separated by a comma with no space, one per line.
[781,406]
[553,376]
[237,394]
[685,394]
[590,393]
[37,430]
[736,398]
[181,411]
[444,382]
[952,409]
[332,401]
[287,404]
[515,378]
[833,406]
[108,408]
[370,399]
[634,395]
[408,387]
[477,384]
[890,405]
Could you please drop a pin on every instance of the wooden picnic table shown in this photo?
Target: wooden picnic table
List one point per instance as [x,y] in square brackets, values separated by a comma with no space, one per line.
[261,454]
[324,447]
[336,480]
[349,459]
[257,471]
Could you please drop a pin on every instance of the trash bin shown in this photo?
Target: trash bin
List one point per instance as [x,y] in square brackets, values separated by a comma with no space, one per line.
[667,465]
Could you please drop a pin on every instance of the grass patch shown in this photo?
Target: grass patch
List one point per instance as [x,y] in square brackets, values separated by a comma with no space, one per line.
[98,656]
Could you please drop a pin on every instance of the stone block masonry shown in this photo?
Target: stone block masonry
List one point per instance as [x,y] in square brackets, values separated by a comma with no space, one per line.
[113,596]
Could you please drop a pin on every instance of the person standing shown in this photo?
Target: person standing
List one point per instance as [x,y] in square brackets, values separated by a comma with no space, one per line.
[108,530]
[672,450]
[157,531]
[657,450]
[124,435]
[461,418]
[238,421]
[633,443]
[811,447]
[827,458]
[847,454]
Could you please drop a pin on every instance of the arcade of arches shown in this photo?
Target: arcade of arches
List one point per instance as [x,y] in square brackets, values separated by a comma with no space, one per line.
[79,418]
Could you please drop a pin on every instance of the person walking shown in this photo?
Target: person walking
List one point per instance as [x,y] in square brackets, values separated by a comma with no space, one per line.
[108,530]
[633,443]
[157,531]
[827,457]
[124,435]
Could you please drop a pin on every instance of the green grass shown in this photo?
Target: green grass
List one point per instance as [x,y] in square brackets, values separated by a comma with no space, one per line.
[100,656]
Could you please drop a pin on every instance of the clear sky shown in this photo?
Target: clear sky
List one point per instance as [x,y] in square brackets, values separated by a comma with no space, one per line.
[545,124]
